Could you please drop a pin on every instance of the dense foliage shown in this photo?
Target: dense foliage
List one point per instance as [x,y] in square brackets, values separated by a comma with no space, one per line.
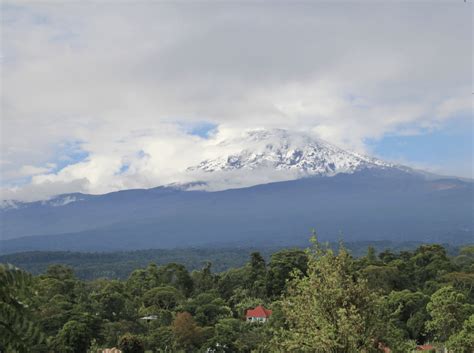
[18,329]
[119,264]
[323,300]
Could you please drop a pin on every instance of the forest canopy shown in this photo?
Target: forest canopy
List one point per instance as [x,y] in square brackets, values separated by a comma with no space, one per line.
[322,300]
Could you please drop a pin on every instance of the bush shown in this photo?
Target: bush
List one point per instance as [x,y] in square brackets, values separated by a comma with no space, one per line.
[131,344]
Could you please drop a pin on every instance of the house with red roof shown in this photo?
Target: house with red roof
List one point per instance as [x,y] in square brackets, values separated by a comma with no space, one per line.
[258,314]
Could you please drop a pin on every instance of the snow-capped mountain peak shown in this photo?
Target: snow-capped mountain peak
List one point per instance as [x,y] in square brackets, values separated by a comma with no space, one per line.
[255,157]
[297,153]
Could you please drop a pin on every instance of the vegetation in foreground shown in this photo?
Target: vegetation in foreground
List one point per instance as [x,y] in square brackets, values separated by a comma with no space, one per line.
[322,301]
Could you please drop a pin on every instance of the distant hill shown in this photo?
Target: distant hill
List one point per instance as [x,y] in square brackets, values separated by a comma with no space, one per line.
[370,204]
[119,265]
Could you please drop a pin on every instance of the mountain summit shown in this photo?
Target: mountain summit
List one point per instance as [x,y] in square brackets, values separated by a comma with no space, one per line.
[264,187]
[262,156]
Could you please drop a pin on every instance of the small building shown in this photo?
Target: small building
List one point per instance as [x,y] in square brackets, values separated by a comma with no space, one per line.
[149,318]
[259,314]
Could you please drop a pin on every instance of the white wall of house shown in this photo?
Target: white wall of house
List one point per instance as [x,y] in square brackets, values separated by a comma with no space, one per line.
[257,319]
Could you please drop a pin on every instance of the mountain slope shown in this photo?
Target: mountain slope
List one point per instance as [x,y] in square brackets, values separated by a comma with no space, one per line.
[370,204]
[318,185]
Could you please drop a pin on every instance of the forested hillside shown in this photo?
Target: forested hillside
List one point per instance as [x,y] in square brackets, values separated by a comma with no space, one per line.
[119,265]
[322,300]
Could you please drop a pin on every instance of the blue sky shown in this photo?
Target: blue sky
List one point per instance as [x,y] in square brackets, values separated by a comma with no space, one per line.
[447,150]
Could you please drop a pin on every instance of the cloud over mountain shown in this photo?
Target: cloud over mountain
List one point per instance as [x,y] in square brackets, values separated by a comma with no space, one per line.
[124,84]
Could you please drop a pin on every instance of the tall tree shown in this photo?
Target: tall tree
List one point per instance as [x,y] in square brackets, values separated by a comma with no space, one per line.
[331,309]
[463,341]
[177,276]
[257,275]
[371,255]
[281,265]
[448,310]
[74,337]
[204,280]
[187,334]
[408,312]
[162,297]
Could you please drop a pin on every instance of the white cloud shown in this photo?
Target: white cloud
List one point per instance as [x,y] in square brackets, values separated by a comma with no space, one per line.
[28,170]
[118,77]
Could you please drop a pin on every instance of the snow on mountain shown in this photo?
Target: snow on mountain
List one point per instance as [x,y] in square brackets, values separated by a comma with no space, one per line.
[57,201]
[255,157]
[10,204]
[62,200]
[298,154]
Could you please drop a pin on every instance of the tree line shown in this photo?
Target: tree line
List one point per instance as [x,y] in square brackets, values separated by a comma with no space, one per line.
[119,264]
[323,300]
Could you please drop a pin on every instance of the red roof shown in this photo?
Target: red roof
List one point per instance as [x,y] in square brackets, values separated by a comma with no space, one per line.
[259,311]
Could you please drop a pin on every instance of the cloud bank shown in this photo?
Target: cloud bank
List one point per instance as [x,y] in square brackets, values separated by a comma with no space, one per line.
[102,96]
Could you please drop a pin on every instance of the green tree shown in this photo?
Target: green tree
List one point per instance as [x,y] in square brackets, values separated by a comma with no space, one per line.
[465,259]
[112,331]
[112,301]
[331,309]
[448,310]
[408,312]
[161,339]
[256,283]
[163,297]
[429,263]
[371,256]
[204,280]
[281,265]
[74,337]
[226,335]
[387,256]
[129,343]
[383,278]
[176,275]
[138,282]
[463,341]
[207,308]
[60,272]
[232,280]
[462,281]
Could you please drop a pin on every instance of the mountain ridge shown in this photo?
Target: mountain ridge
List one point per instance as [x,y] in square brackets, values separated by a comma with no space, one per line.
[323,187]
[366,205]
